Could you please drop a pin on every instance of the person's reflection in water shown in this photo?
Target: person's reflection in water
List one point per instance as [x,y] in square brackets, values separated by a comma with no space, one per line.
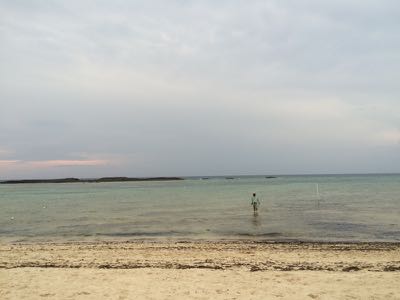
[256,220]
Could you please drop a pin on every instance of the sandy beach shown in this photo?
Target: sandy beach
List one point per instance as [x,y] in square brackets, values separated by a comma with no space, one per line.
[200,270]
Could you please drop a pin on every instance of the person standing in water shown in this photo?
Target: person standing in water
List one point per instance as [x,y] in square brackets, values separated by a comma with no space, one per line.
[255,202]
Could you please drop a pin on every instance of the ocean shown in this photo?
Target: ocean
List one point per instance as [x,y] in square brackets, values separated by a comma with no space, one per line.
[355,208]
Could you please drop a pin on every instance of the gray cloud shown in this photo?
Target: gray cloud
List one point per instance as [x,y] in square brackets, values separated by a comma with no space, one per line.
[199,87]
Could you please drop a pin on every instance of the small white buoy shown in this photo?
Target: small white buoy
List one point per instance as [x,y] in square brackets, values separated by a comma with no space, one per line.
[12,218]
[44,206]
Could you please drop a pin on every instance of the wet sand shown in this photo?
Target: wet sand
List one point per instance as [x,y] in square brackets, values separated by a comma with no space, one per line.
[200,270]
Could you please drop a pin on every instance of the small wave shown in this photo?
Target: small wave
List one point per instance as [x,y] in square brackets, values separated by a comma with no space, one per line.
[267,234]
[389,234]
[153,233]
[343,226]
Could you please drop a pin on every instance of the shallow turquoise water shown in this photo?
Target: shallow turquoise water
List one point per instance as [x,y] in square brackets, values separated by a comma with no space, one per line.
[350,208]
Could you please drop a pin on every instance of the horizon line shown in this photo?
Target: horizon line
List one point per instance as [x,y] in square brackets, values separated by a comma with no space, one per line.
[206,176]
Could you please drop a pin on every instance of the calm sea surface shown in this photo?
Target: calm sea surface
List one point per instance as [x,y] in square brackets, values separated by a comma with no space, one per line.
[332,208]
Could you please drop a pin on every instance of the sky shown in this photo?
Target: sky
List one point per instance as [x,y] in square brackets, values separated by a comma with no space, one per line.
[185,88]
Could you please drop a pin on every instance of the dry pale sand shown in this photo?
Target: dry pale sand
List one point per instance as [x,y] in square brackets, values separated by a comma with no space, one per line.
[199,270]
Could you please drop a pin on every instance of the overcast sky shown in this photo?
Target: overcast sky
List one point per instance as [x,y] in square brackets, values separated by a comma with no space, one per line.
[159,88]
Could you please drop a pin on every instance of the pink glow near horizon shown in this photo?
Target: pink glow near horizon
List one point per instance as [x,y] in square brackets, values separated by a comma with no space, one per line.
[8,162]
[55,163]
[67,163]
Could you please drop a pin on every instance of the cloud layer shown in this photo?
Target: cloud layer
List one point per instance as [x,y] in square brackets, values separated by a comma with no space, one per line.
[93,88]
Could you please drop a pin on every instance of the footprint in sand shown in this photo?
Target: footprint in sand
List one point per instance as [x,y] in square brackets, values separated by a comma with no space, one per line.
[47,295]
[83,293]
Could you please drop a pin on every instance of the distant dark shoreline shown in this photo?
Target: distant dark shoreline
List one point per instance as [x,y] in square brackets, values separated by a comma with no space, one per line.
[77,180]
[229,177]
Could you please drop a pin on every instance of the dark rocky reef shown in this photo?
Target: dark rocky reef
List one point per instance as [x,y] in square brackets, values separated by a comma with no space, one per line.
[61,180]
[103,179]
[120,179]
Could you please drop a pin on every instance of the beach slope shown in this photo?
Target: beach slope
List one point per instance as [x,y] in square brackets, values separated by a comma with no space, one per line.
[200,270]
